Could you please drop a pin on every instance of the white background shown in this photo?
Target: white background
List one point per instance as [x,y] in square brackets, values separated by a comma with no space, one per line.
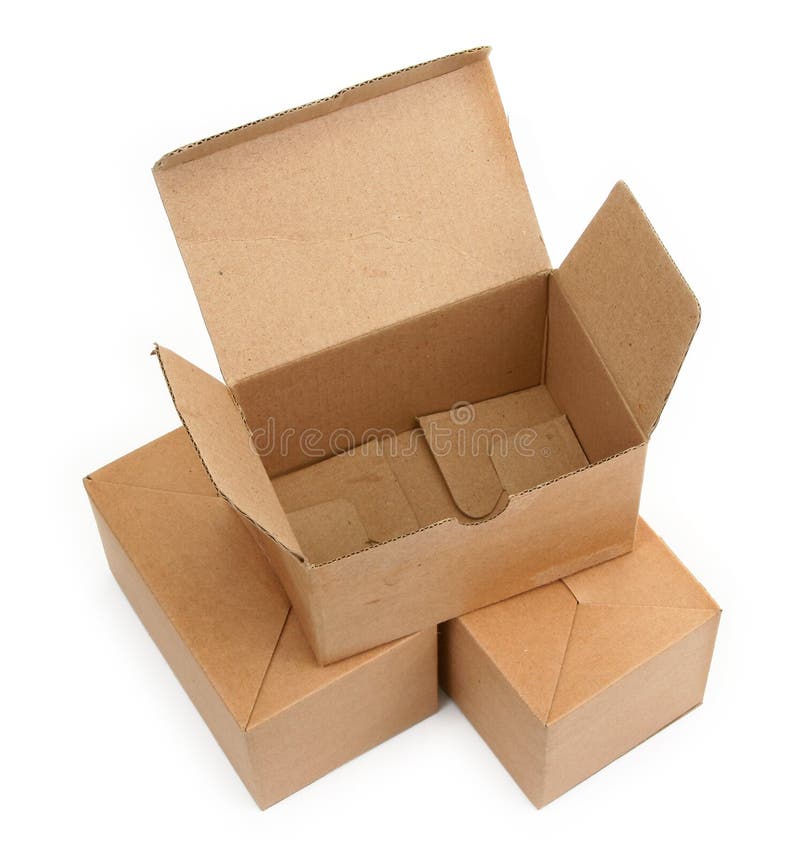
[695,106]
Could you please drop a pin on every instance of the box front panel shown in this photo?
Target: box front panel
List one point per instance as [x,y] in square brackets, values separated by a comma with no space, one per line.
[360,710]
[450,568]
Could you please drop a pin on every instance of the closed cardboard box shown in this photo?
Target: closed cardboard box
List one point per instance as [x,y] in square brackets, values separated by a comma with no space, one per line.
[200,585]
[420,416]
[562,680]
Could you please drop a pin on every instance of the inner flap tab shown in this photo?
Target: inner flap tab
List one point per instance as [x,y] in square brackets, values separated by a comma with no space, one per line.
[499,447]
[222,440]
[633,302]
[465,464]
[322,224]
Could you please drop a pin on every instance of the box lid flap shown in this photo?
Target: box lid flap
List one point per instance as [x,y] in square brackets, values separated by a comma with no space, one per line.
[222,439]
[633,302]
[323,223]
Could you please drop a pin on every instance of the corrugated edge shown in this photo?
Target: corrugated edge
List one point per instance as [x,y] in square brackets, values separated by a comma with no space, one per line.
[164,161]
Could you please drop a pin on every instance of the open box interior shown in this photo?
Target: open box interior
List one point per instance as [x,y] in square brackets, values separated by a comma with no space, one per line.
[442,416]
[385,315]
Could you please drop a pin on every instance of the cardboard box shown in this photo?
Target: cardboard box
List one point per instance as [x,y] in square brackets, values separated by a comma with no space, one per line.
[562,680]
[441,420]
[198,581]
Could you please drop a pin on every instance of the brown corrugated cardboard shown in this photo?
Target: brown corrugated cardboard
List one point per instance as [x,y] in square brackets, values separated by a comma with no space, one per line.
[429,400]
[200,585]
[562,680]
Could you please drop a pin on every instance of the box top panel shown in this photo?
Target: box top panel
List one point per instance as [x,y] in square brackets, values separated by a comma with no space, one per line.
[211,579]
[563,643]
[323,223]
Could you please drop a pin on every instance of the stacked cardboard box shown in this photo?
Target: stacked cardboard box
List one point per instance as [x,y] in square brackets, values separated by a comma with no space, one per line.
[420,418]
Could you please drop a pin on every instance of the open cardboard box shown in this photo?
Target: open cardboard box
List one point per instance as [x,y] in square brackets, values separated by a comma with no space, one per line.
[562,680]
[200,585]
[420,415]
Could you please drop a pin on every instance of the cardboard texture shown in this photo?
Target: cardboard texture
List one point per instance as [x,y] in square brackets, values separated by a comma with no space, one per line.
[199,583]
[564,679]
[414,399]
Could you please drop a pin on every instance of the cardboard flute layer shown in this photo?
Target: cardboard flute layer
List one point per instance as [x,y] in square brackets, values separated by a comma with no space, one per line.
[371,272]
[201,587]
[562,680]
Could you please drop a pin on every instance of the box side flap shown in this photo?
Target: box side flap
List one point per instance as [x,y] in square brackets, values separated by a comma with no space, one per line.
[500,447]
[633,302]
[222,440]
[209,578]
[378,204]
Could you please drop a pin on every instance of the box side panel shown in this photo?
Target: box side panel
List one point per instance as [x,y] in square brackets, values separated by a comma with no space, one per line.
[187,670]
[633,301]
[628,712]
[450,569]
[500,716]
[334,725]
[475,349]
